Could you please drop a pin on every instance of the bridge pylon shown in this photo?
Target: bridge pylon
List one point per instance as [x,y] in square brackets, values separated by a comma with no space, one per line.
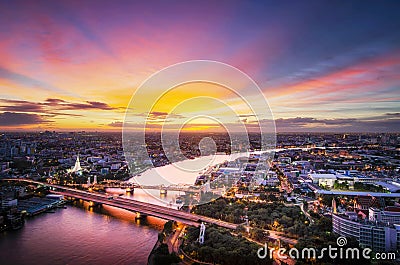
[202,232]
[140,216]
[163,190]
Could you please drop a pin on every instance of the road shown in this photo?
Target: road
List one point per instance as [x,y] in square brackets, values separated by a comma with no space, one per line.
[173,240]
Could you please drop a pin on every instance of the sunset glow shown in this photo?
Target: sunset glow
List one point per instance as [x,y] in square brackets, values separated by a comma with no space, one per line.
[67,65]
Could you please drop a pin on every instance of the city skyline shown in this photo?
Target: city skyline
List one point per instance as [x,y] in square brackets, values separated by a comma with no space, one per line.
[323,66]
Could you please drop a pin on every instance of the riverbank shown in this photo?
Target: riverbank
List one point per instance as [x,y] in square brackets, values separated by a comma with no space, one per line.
[165,250]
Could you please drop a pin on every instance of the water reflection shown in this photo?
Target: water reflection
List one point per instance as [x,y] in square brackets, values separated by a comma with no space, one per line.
[79,235]
[125,216]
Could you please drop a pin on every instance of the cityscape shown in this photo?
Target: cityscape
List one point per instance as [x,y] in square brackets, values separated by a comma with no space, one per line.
[261,132]
[318,186]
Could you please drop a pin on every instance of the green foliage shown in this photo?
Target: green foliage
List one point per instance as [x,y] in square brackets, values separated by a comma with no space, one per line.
[257,234]
[162,256]
[319,236]
[169,227]
[341,186]
[323,240]
[161,237]
[272,216]
[327,200]
[220,247]
[240,229]
[368,187]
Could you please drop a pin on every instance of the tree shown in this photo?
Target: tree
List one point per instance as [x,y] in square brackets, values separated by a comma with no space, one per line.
[240,229]
[161,237]
[163,257]
[257,234]
[169,227]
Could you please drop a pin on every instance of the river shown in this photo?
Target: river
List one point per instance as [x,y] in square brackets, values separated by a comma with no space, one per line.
[103,235]
[79,235]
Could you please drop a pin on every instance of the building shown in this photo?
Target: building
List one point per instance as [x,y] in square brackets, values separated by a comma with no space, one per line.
[366,202]
[105,170]
[77,169]
[115,166]
[326,180]
[9,202]
[391,215]
[375,234]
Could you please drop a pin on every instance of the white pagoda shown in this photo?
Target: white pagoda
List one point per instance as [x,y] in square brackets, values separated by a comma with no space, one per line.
[77,168]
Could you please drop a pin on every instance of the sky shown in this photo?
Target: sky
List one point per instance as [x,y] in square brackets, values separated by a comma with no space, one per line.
[323,66]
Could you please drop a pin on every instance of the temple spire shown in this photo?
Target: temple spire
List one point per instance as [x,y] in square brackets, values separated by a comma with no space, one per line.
[334,208]
[77,168]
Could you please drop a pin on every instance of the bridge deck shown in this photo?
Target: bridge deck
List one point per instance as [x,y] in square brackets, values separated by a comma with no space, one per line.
[144,208]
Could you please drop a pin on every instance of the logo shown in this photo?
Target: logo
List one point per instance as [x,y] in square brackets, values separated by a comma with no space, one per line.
[333,252]
[341,241]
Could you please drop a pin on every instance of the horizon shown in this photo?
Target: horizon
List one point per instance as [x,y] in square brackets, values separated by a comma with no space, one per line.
[323,67]
[192,132]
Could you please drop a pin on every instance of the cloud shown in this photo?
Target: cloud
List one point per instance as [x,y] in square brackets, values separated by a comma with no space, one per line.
[84,106]
[64,105]
[304,121]
[27,81]
[117,124]
[368,124]
[22,112]
[18,119]
[54,100]
[161,116]
[360,81]
[21,106]
[382,123]
[157,126]
[51,105]
[246,115]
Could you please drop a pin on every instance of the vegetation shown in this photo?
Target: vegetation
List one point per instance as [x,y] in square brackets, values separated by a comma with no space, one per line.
[368,187]
[169,227]
[273,216]
[341,185]
[163,257]
[160,255]
[319,241]
[258,234]
[319,236]
[359,186]
[220,247]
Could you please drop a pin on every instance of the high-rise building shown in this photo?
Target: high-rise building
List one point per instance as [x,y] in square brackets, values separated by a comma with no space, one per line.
[390,215]
[382,233]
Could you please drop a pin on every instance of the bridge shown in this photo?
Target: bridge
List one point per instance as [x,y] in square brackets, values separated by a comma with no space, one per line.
[144,208]
[132,205]
[132,185]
